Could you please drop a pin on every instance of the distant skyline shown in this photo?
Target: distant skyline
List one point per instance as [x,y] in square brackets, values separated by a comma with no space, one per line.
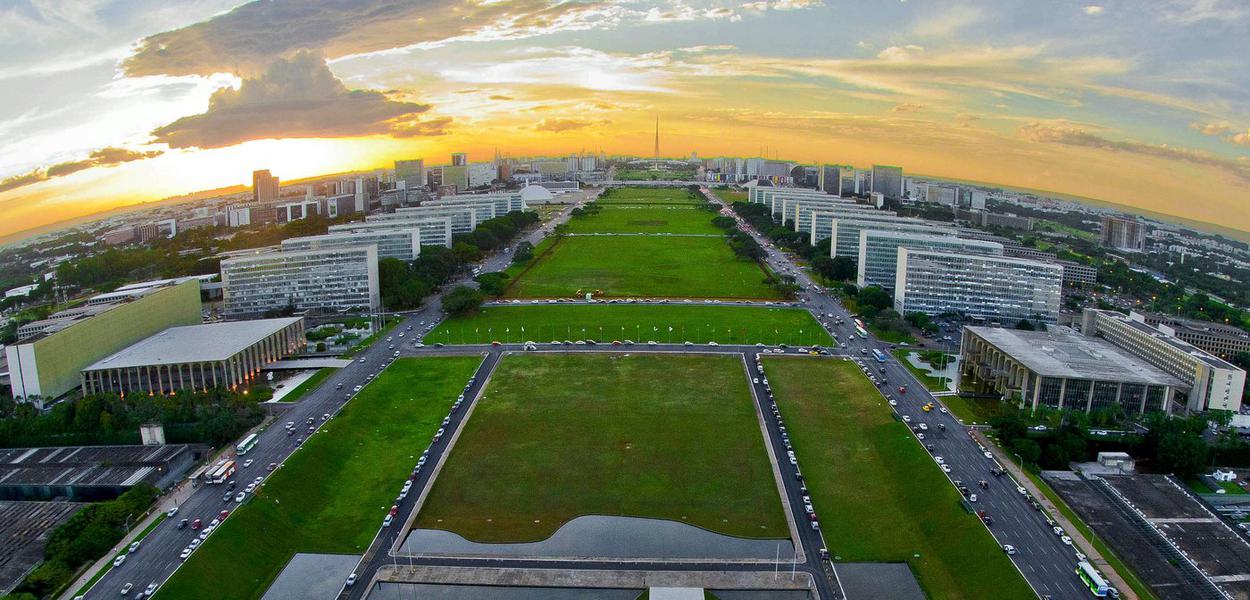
[1143,105]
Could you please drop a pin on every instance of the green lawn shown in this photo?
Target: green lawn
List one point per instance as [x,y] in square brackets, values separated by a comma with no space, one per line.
[639,322]
[730,196]
[332,494]
[933,384]
[624,218]
[649,175]
[630,195]
[880,496]
[557,436]
[974,411]
[696,267]
[308,384]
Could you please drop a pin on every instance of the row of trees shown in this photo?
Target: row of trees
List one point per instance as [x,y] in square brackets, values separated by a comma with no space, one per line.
[404,285]
[84,538]
[832,269]
[213,417]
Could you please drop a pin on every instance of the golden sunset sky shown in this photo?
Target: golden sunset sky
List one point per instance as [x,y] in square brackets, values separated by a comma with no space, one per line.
[110,103]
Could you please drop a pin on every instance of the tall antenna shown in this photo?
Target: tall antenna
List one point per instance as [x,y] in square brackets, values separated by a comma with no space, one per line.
[657,142]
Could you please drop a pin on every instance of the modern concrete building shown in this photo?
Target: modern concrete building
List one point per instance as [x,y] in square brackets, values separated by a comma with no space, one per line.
[332,280]
[844,230]
[411,172]
[1125,234]
[401,243]
[264,187]
[888,181]
[978,286]
[198,357]
[1062,369]
[878,252]
[1220,339]
[1213,383]
[504,202]
[433,231]
[89,472]
[46,365]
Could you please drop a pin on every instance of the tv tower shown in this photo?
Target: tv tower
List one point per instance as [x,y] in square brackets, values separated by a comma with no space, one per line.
[657,143]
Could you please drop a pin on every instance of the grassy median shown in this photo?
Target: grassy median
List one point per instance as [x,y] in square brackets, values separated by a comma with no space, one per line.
[654,266]
[331,495]
[880,496]
[699,324]
[557,436]
[640,218]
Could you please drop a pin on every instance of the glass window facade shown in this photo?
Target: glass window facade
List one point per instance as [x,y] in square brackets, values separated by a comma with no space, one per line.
[992,288]
[337,279]
[878,252]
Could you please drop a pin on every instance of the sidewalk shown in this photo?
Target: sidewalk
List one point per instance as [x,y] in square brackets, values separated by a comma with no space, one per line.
[1078,539]
[173,498]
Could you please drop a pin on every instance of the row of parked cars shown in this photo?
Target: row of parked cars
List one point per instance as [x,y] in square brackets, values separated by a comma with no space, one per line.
[760,379]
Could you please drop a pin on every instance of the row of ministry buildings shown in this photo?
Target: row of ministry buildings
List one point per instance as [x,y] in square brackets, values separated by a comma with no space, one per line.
[928,267]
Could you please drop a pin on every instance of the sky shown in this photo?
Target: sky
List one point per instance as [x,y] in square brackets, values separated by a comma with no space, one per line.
[115,102]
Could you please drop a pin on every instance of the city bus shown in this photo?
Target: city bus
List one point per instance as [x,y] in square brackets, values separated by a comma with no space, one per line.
[247,444]
[220,472]
[861,332]
[859,324]
[878,355]
[1092,579]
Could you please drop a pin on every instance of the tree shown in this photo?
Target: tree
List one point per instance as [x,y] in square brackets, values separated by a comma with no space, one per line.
[462,300]
[1176,445]
[1028,450]
[1025,325]
[524,252]
[466,253]
[872,300]
[492,284]
[844,269]
[1010,427]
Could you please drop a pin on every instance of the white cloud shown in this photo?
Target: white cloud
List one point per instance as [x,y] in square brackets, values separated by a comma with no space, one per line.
[1092,9]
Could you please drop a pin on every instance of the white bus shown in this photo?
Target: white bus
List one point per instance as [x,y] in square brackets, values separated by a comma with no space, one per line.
[247,444]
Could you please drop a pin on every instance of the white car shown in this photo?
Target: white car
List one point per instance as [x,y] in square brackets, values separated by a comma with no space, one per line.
[1067,541]
[906,419]
[1009,549]
[893,402]
[1023,492]
[171,512]
[972,498]
[988,454]
[117,562]
[247,463]
[239,497]
[939,460]
[946,468]
[186,552]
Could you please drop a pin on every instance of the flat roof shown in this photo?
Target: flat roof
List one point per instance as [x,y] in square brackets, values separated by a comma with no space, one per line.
[194,343]
[1062,352]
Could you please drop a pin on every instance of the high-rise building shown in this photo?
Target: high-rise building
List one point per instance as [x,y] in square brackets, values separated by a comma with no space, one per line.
[1220,339]
[411,172]
[844,230]
[459,159]
[888,181]
[433,231]
[1123,233]
[977,286]
[878,252]
[264,186]
[332,280]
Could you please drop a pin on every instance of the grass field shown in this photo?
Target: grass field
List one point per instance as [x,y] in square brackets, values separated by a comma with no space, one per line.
[649,175]
[651,218]
[974,411]
[638,322]
[730,196]
[557,436]
[648,196]
[880,496]
[311,383]
[933,384]
[695,267]
[332,494]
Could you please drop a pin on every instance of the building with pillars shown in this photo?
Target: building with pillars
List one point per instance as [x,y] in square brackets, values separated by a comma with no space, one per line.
[226,355]
[1062,369]
[46,365]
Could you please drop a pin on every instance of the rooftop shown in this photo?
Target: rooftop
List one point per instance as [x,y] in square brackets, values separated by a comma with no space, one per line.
[1062,352]
[194,343]
[1174,342]
[84,465]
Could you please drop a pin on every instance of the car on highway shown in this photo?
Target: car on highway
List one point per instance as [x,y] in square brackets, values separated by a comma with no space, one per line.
[117,562]
[247,463]
[186,553]
[351,580]
[171,512]
[1009,549]
[239,497]
[151,589]
[126,588]
[195,525]
[134,547]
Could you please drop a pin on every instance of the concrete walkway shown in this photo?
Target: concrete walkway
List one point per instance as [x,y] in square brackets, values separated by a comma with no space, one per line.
[1078,539]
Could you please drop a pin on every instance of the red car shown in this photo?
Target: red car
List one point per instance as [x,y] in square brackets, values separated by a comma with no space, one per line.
[223,514]
[902,389]
[394,509]
[196,524]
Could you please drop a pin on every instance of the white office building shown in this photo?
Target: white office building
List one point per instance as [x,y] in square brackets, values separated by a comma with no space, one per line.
[333,280]
[404,244]
[432,231]
[978,286]
[845,230]
[878,252]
